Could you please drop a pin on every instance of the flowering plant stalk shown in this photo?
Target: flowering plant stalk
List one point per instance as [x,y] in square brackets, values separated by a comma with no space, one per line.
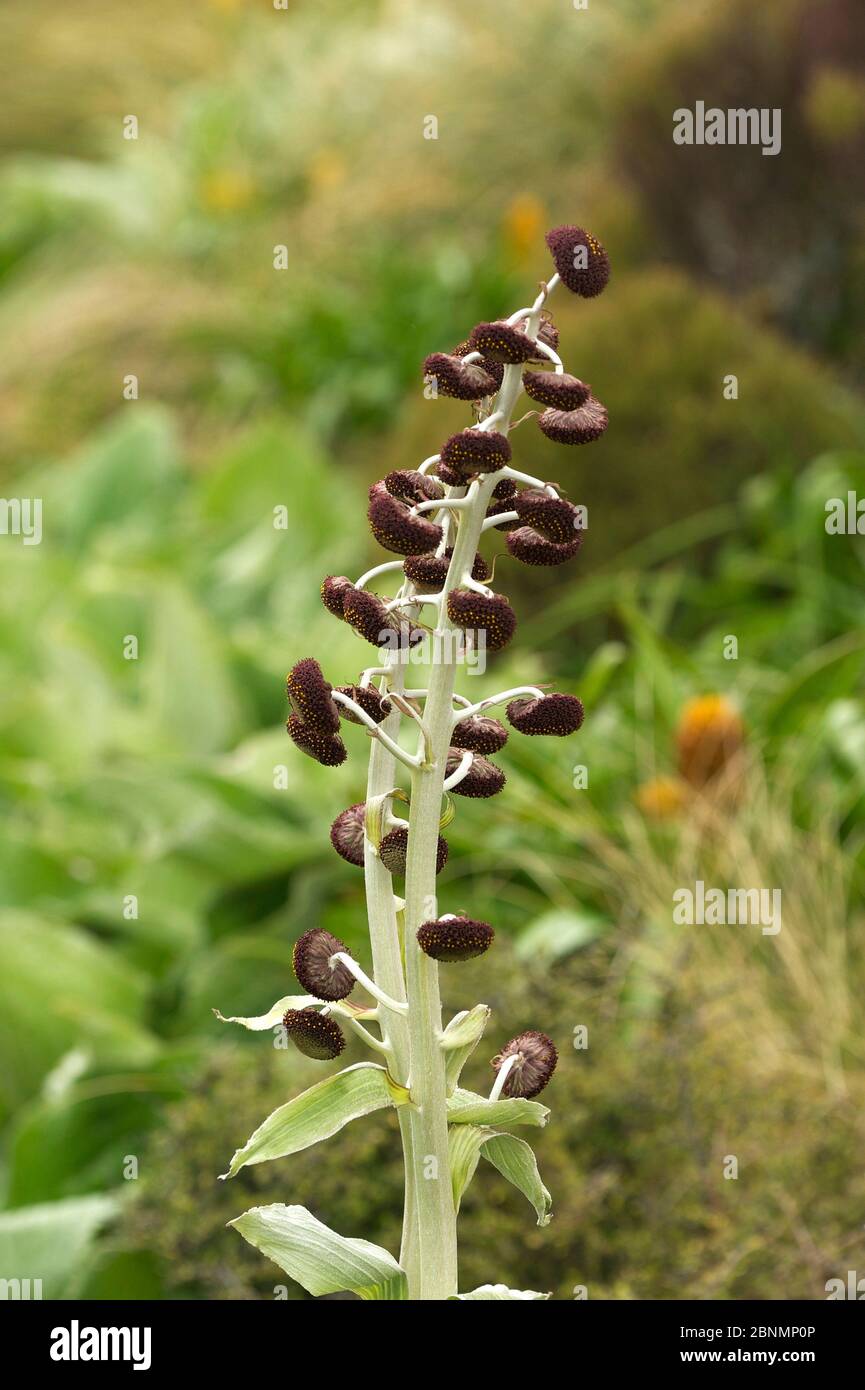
[432,517]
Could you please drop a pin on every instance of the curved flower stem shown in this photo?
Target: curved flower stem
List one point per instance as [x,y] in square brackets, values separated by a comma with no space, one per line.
[499,699]
[459,772]
[377,730]
[503,1073]
[394,1005]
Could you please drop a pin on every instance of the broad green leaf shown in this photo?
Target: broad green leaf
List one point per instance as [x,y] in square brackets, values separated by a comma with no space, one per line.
[274,1015]
[557,934]
[466,1108]
[516,1161]
[460,1039]
[51,1241]
[464,1149]
[319,1259]
[499,1293]
[318,1113]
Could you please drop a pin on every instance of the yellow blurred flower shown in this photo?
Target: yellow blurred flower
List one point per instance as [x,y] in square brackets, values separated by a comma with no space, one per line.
[227,190]
[662,798]
[835,105]
[325,170]
[710,735]
[523,225]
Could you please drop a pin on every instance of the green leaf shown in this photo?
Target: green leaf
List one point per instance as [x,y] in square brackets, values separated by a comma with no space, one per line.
[51,1241]
[318,1113]
[516,1161]
[460,1039]
[274,1015]
[321,1261]
[464,1150]
[556,934]
[466,1108]
[498,1292]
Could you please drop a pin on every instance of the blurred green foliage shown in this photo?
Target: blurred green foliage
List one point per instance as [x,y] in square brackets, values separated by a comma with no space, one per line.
[163,843]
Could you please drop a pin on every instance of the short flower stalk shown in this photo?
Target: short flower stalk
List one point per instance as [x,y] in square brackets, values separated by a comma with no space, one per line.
[434,519]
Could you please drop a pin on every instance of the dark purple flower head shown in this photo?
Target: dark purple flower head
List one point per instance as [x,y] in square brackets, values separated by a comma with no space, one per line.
[396,527]
[394,847]
[555,517]
[506,504]
[506,487]
[477,613]
[347,833]
[327,749]
[575,426]
[581,260]
[530,548]
[464,381]
[333,591]
[429,572]
[562,392]
[411,486]
[483,778]
[455,938]
[549,334]
[479,734]
[314,1034]
[553,714]
[450,475]
[367,614]
[310,696]
[503,342]
[311,959]
[369,700]
[536,1061]
[475,451]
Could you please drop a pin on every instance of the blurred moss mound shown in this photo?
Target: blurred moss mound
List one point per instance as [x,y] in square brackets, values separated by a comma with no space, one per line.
[644,1122]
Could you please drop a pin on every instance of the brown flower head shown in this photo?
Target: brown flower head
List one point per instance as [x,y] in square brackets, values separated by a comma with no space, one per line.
[551,714]
[455,938]
[367,614]
[369,700]
[575,426]
[311,959]
[581,260]
[396,527]
[562,392]
[479,734]
[333,591]
[327,749]
[314,1034]
[530,548]
[475,451]
[554,517]
[483,778]
[412,486]
[464,381]
[347,833]
[478,613]
[536,1061]
[394,847]
[429,572]
[503,342]
[494,369]
[310,696]
[504,488]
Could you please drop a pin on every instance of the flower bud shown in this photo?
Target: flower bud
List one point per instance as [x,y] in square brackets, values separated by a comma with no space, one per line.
[581,260]
[532,549]
[455,938]
[347,834]
[475,451]
[536,1061]
[412,486]
[562,392]
[503,342]
[314,1034]
[429,572]
[482,779]
[333,591]
[575,426]
[367,614]
[549,714]
[396,527]
[327,749]
[310,696]
[464,381]
[311,959]
[554,517]
[479,734]
[369,700]
[394,847]
[478,613]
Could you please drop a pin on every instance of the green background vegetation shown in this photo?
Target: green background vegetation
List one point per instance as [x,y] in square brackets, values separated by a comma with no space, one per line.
[155,777]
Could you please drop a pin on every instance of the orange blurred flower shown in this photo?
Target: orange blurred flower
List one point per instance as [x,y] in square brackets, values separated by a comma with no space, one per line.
[325,170]
[524,222]
[662,798]
[709,737]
